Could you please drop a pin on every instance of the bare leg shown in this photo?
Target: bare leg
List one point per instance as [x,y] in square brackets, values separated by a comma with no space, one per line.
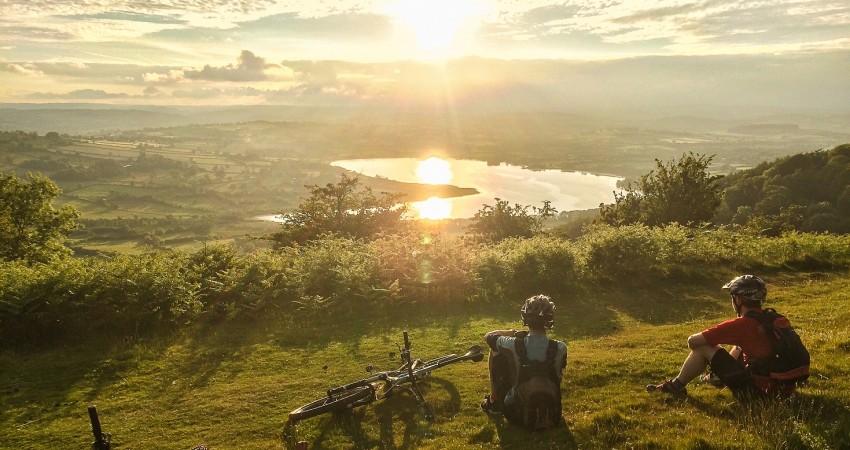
[696,363]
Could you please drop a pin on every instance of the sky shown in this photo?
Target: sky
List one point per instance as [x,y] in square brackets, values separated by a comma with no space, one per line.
[396,51]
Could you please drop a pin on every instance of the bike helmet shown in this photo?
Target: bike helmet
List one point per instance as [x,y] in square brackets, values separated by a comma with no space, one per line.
[538,310]
[749,287]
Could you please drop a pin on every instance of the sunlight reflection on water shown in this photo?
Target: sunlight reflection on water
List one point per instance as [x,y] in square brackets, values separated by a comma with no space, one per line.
[567,191]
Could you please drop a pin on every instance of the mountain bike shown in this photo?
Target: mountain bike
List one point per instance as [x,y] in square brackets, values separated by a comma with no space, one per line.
[384,384]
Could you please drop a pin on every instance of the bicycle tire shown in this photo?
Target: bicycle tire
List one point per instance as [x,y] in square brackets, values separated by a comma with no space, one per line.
[360,395]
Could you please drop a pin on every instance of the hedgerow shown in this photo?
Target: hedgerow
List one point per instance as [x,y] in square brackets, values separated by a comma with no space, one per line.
[331,277]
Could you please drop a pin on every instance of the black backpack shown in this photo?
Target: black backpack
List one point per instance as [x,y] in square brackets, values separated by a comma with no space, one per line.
[537,394]
[789,364]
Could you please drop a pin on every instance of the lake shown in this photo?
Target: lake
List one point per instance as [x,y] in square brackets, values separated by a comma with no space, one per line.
[568,191]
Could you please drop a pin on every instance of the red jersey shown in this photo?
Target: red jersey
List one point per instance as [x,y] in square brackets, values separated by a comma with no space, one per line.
[745,332]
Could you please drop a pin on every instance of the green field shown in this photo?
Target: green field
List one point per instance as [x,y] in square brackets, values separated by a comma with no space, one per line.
[149,182]
[232,385]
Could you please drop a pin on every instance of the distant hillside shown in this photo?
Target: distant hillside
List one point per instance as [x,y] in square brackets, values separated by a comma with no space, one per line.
[807,192]
[767,129]
[84,121]
[88,119]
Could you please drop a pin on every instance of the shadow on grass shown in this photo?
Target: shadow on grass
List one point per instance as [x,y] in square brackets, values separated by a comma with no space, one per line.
[513,437]
[667,303]
[401,423]
[207,347]
[401,426]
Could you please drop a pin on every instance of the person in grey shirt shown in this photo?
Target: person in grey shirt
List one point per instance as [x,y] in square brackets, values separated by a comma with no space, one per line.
[538,314]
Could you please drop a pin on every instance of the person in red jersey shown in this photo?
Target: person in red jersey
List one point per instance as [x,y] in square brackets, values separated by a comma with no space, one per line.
[753,345]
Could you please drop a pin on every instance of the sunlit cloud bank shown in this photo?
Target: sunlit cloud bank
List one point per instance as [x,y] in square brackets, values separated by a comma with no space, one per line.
[201,32]
[816,80]
[409,52]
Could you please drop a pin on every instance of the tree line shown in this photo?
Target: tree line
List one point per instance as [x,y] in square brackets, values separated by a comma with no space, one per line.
[808,192]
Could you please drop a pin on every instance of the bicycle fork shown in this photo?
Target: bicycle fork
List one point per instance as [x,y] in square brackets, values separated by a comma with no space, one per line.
[414,386]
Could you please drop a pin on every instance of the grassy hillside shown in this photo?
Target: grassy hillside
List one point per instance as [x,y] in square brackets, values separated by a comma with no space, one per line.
[232,386]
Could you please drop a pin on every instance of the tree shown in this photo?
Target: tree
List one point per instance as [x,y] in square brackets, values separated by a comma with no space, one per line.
[343,209]
[676,192]
[30,228]
[501,221]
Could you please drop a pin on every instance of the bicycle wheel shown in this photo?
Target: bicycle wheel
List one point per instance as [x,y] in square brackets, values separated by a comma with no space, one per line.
[361,395]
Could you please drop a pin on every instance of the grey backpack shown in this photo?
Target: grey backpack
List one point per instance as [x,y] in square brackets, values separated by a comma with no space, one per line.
[537,394]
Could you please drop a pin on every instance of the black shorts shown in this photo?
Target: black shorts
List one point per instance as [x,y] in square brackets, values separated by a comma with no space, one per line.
[733,374]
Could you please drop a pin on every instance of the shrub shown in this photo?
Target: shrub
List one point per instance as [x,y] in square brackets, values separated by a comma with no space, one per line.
[256,284]
[335,273]
[518,268]
[422,266]
[142,291]
[492,223]
[630,253]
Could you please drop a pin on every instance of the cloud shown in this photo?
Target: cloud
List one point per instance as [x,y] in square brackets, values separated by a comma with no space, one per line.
[139,10]
[129,17]
[249,67]
[717,26]
[314,72]
[80,71]
[33,33]
[665,13]
[199,93]
[351,24]
[151,91]
[172,76]
[24,69]
[769,24]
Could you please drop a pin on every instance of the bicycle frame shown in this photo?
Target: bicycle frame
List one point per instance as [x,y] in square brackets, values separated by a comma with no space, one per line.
[382,384]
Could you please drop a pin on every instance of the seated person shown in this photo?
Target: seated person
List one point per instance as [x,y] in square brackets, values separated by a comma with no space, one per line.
[526,369]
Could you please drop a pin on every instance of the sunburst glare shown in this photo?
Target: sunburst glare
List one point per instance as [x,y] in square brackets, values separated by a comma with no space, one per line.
[435,24]
[434,170]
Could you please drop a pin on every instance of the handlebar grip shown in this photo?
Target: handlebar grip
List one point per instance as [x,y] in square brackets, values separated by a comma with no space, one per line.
[347,387]
[406,341]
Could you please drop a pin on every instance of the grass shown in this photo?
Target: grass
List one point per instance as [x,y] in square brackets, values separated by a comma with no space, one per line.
[232,385]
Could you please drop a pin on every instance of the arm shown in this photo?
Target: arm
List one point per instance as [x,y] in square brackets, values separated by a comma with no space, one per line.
[492,338]
[508,333]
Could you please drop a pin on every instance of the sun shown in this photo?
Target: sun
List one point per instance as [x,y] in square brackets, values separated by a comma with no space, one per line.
[434,170]
[436,24]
